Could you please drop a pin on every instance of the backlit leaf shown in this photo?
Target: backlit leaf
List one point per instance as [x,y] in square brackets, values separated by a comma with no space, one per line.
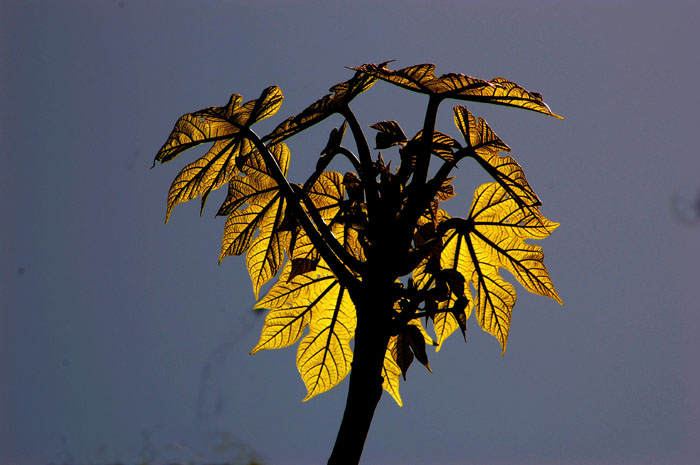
[493,238]
[324,355]
[255,203]
[486,145]
[322,108]
[192,129]
[391,372]
[421,78]
[477,133]
[221,126]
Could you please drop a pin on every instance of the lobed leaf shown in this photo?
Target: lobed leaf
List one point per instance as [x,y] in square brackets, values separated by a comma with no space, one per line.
[493,238]
[442,145]
[221,126]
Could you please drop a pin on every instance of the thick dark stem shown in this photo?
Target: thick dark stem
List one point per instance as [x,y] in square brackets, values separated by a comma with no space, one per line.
[364,392]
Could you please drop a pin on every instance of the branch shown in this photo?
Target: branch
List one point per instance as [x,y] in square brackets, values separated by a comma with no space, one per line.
[345,276]
[353,263]
[366,170]
[423,160]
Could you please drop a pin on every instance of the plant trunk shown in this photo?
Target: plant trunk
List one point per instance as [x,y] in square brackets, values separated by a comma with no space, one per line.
[365,390]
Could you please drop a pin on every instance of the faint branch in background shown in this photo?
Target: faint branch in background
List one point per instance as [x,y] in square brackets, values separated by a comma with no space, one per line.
[210,397]
[686,210]
[214,447]
[63,456]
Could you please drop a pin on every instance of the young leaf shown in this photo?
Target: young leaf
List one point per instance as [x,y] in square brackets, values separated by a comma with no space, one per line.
[389,134]
[493,238]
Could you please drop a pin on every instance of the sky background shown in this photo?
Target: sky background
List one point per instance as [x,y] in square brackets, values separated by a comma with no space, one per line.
[122,339]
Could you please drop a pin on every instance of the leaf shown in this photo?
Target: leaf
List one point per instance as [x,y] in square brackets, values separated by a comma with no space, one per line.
[223,127]
[421,78]
[255,203]
[318,300]
[322,108]
[493,238]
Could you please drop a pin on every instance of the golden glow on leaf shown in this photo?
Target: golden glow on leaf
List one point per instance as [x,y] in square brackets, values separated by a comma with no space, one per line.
[493,238]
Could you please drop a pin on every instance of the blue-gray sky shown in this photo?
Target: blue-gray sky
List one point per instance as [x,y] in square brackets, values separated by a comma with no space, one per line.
[122,339]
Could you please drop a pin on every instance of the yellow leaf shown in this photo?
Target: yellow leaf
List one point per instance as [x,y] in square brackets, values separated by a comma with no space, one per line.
[493,238]
[421,78]
[221,126]
[290,308]
[391,372]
